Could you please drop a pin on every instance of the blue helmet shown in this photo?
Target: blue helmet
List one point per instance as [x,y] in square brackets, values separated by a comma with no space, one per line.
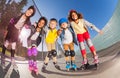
[62,20]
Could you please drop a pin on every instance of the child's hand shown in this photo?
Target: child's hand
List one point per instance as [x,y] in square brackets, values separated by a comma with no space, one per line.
[59,31]
[101,32]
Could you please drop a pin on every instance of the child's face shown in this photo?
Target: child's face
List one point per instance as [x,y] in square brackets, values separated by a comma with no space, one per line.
[41,23]
[29,12]
[74,16]
[64,25]
[53,24]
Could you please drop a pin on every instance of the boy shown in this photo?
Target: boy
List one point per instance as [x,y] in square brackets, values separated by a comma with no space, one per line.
[50,40]
[68,39]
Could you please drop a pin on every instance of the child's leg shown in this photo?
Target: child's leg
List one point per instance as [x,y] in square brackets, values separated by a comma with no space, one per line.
[72,54]
[35,53]
[13,52]
[30,62]
[54,55]
[67,52]
[80,38]
[6,43]
[49,54]
[91,46]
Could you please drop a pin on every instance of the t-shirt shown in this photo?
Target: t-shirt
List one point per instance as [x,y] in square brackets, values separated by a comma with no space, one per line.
[67,37]
[51,36]
[79,28]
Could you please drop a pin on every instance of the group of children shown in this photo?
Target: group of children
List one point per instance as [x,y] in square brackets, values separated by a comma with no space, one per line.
[72,31]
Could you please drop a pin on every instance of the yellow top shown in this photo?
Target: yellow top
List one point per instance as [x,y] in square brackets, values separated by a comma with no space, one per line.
[79,28]
[51,36]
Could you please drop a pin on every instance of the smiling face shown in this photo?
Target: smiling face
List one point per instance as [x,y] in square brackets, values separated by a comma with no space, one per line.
[41,23]
[64,25]
[29,12]
[52,24]
[74,16]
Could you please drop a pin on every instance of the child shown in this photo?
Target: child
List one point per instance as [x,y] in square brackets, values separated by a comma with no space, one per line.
[50,39]
[13,29]
[68,39]
[33,41]
[80,27]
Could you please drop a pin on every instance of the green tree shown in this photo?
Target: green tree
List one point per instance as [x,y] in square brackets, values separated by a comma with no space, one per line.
[9,9]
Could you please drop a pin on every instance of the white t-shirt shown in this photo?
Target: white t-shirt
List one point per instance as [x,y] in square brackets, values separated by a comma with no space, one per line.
[67,37]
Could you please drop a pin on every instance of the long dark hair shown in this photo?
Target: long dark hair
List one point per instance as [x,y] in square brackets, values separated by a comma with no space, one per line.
[43,18]
[80,16]
[34,10]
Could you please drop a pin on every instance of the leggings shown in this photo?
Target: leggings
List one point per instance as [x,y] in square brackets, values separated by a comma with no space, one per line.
[85,37]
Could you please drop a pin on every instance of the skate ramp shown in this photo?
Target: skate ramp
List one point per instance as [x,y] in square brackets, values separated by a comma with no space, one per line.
[110,31]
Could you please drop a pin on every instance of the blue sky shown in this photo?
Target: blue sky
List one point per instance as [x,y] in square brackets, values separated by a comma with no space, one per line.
[97,12]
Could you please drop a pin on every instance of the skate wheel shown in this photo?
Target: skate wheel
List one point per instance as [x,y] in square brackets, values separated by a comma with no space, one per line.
[96,66]
[75,69]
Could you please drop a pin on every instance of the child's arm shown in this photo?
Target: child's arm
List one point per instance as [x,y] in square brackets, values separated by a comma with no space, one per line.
[59,31]
[35,36]
[92,26]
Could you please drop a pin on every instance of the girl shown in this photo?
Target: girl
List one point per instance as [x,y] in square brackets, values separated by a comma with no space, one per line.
[80,27]
[33,41]
[13,29]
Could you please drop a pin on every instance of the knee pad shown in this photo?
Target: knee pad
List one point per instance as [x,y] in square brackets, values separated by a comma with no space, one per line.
[67,53]
[54,53]
[34,51]
[29,52]
[72,53]
[49,54]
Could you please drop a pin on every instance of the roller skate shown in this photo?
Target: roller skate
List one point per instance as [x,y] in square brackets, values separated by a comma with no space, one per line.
[56,66]
[85,65]
[96,62]
[35,68]
[44,67]
[74,66]
[31,65]
[68,66]
[14,65]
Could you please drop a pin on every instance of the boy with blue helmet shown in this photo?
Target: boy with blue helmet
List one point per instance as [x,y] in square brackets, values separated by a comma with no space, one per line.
[68,39]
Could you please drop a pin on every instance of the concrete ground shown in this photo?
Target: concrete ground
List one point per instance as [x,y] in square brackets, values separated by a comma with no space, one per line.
[109,67]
